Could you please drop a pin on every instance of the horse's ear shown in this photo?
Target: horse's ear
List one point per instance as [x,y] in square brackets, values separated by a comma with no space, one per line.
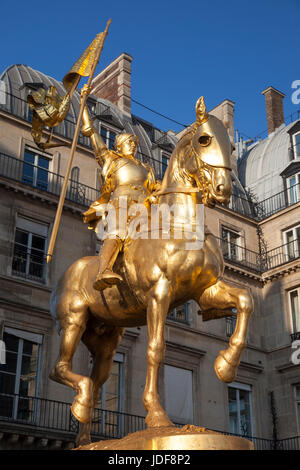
[201,113]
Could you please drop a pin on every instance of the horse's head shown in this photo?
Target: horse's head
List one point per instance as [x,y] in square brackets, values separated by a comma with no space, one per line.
[209,163]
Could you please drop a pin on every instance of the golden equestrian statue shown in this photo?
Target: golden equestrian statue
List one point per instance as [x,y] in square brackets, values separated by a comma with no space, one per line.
[139,279]
[157,275]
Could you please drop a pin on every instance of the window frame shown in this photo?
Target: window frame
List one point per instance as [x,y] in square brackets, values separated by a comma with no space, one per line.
[297,405]
[296,146]
[35,338]
[238,386]
[238,245]
[109,129]
[165,155]
[37,154]
[193,398]
[20,225]
[296,188]
[293,320]
[296,247]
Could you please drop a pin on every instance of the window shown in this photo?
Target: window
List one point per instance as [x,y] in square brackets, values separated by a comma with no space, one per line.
[164,164]
[35,170]
[296,139]
[110,401]
[30,249]
[297,400]
[292,242]
[230,244]
[179,393]
[240,409]
[76,191]
[293,188]
[108,137]
[20,375]
[230,324]
[295,309]
[181,313]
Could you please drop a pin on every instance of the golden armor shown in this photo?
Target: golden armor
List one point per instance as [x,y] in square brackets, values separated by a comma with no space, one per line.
[123,176]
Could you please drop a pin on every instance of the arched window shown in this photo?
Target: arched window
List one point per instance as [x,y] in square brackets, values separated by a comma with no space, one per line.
[75,174]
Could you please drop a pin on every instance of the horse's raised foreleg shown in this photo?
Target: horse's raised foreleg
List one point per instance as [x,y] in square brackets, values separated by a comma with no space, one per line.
[73,318]
[157,310]
[223,296]
[103,349]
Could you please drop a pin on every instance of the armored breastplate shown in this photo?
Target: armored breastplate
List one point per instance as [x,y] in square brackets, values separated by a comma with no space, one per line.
[129,173]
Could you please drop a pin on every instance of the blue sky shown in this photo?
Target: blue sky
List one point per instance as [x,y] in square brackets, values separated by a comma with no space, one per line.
[181,49]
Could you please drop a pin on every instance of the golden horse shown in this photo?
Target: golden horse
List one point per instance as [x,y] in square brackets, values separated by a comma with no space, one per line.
[159,274]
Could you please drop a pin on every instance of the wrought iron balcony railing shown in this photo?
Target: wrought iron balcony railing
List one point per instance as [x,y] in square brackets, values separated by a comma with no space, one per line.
[260,210]
[260,262]
[295,336]
[253,209]
[18,170]
[53,416]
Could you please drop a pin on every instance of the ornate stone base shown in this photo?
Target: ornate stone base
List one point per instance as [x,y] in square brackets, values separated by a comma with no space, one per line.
[171,438]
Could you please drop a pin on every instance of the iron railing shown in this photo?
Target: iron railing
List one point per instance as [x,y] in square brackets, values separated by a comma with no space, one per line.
[295,336]
[281,255]
[260,262]
[79,193]
[51,415]
[42,413]
[237,254]
[260,210]
[253,209]
[17,170]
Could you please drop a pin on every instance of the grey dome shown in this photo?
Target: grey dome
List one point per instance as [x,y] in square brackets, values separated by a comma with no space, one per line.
[260,167]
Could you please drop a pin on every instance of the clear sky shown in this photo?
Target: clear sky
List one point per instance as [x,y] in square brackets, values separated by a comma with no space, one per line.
[181,49]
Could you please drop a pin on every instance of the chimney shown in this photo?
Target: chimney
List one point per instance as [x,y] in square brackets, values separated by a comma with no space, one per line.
[114,83]
[225,111]
[274,108]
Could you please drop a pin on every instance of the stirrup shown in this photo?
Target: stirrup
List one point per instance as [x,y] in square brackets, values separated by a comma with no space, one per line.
[106,279]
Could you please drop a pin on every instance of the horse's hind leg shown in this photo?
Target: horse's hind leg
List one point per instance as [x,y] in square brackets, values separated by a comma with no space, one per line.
[103,348]
[223,296]
[73,317]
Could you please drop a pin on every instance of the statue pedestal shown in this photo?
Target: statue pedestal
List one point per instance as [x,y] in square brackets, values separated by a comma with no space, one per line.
[171,438]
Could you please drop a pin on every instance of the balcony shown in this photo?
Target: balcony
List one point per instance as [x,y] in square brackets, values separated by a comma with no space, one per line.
[260,210]
[40,415]
[16,169]
[295,336]
[259,262]
[52,420]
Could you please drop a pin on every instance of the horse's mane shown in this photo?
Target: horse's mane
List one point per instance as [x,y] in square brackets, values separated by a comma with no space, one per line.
[182,149]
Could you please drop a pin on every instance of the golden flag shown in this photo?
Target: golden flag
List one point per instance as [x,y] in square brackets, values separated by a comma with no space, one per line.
[83,66]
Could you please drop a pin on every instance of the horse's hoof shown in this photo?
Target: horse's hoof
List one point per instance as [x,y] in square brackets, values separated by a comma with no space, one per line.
[83,441]
[158,420]
[225,371]
[81,412]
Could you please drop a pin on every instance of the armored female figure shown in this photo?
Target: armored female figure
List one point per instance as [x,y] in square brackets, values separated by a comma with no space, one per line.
[123,175]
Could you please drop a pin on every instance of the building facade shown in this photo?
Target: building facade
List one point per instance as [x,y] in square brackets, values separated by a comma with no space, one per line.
[259,233]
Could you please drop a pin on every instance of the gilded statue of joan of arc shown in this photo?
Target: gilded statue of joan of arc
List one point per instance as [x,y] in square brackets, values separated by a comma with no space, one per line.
[123,175]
